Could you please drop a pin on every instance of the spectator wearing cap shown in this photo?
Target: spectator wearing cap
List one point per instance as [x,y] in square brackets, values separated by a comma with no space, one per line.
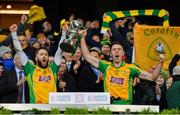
[34,43]
[173,93]
[90,79]
[105,49]
[6,57]
[161,89]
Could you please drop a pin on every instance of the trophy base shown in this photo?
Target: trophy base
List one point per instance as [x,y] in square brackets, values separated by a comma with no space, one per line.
[66,47]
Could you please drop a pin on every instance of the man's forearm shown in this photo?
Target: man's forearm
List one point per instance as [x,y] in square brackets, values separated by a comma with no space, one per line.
[16,42]
[58,54]
[18,48]
[157,71]
[84,48]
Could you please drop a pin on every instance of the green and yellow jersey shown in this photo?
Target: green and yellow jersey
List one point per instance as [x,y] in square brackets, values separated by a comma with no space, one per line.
[41,81]
[118,80]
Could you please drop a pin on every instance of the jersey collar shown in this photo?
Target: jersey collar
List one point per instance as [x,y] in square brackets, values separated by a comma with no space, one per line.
[122,64]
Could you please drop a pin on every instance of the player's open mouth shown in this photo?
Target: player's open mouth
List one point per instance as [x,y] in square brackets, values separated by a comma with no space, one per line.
[116,56]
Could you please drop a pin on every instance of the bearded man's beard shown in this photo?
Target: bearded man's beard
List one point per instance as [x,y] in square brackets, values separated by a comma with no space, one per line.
[41,65]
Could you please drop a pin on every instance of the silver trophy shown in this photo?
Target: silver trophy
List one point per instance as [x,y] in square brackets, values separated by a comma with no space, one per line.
[67,44]
[160,48]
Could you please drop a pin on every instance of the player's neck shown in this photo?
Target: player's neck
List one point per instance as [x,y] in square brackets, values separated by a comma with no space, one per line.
[117,64]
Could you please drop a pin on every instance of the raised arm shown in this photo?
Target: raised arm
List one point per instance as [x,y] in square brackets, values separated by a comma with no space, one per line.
[58,54]
[92,60]
[173,62]
[153,76]
[17,45]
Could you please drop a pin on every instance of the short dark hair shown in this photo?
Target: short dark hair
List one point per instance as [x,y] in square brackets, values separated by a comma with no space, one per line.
[44,48]
[118,43]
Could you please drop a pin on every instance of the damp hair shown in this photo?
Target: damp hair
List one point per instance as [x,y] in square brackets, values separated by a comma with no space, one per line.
[41,49]
[117,43]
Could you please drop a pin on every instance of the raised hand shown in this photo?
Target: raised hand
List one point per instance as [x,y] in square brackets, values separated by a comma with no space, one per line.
[13,28]
[161,57]
[62,84]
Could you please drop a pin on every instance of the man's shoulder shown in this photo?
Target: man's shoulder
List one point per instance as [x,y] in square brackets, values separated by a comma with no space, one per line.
[105,62]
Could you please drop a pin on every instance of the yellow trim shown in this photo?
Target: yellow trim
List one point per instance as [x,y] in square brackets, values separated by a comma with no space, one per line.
[149,12]
[107,18]
[134,12]
[119,14]
[162,13]
[166,23]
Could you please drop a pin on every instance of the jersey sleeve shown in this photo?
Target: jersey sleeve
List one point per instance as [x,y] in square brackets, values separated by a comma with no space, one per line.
[54,67]
[102,66]
[134,71]
[28,68]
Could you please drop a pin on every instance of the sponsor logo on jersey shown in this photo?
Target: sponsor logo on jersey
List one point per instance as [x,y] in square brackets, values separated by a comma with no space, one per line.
[117,80]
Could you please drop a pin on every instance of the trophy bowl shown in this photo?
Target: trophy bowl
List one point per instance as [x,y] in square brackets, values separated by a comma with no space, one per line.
[67,44]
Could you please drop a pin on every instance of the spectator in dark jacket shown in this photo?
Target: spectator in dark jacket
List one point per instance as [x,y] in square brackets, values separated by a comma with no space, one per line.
[173,93]
[8,86]
[90,79]
[66,82]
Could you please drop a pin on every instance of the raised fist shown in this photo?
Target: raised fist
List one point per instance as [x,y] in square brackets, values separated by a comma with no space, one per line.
[13,28]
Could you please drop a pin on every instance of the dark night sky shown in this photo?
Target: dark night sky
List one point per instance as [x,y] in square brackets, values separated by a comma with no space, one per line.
[93,9]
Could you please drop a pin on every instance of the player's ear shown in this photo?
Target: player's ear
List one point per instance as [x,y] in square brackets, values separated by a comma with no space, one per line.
[36,58]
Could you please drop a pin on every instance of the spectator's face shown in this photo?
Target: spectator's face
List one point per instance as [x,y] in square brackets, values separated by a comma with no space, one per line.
[42,40]
[68,56]
[160,80]
[46,26]
[71,17]
[169,82]
[106,36]
[95,24]
[106,49]
[96,38]
[117,53]
[130,37]
[36,45]
[42,58]
[1,70]
[17,62]
[22,40]
[88,24]
[78,54]
[95,54]
[62,67]
[7,55]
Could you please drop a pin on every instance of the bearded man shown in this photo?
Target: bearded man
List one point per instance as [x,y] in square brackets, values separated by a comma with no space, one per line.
[42,76]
